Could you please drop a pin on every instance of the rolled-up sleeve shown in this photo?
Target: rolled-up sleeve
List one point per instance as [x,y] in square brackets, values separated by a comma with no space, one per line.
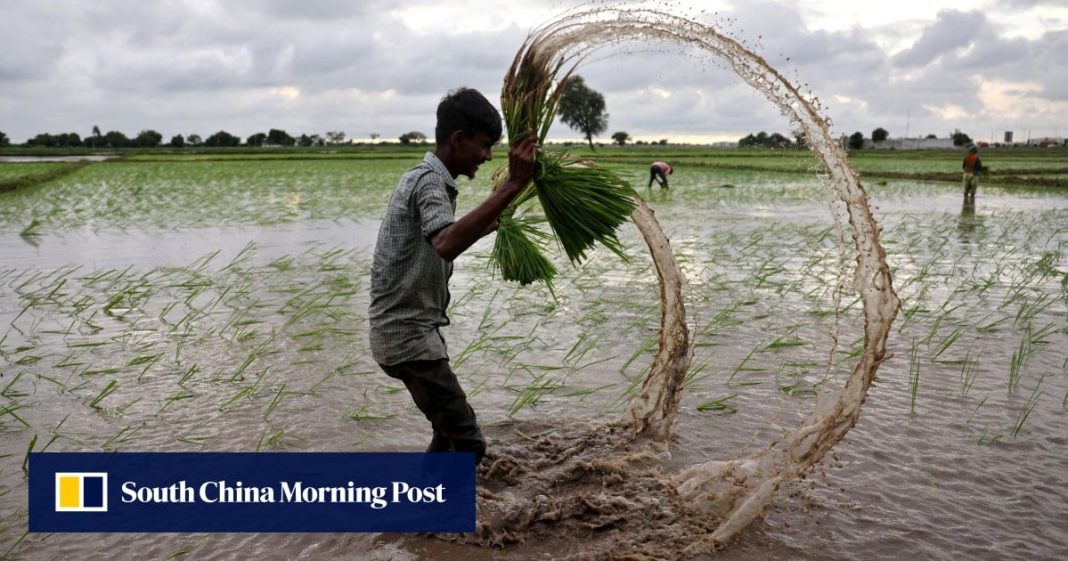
[432,205]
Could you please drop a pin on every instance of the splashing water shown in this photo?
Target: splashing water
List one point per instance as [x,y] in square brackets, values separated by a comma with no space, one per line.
[600,475]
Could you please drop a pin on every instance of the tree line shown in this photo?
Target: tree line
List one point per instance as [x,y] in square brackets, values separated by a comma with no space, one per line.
[152,139]
[854,141]
[580,107]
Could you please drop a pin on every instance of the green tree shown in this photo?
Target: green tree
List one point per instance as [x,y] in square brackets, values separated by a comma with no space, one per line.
[856,141]
[880,134]
[177,141]
[4,140]
[931,136]
[94,141]
[280,138]
[960,139]
[115,139]
[582,109]
[412,137]
[765,140]
[148,139]
[620,137]
[195,139]
[777,140]
[335,137]
[222,138]
[61,140]
[257,139]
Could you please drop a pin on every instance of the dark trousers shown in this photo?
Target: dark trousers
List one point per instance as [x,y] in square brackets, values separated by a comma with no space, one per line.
[438,394]
[657,174]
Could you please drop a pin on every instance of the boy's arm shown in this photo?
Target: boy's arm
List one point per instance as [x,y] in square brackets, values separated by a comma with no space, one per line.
[454,239]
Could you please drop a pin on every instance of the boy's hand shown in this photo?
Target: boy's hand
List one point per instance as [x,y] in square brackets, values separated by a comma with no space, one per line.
[521,161]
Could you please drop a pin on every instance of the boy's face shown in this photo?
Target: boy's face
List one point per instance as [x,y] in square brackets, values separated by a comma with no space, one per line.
[472,151]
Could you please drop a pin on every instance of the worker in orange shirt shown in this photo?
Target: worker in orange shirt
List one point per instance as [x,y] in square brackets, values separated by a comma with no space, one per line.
[972,166]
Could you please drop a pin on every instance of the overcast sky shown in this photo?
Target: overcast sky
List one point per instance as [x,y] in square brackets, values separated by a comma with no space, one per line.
[309,66]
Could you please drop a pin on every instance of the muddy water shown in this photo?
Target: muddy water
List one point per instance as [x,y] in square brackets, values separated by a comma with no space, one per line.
[945,479]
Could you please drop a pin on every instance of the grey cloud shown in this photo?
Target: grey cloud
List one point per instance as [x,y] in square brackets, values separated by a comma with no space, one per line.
[192,66]
[317,10]
[952,30]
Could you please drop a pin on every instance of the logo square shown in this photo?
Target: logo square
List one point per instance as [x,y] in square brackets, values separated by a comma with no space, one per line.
[82,492]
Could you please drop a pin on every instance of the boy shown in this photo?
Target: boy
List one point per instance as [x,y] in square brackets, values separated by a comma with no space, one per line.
[417,242]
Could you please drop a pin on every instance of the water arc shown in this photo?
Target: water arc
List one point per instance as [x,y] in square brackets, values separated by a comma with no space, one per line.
[738,491]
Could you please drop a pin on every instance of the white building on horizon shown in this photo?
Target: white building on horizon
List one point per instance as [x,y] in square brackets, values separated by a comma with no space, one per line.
[911,144]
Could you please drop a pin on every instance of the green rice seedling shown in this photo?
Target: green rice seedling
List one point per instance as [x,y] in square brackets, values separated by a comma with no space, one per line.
[695,374]
[124,435]
[1019,359]
[275,402]
[790,339]
[244,393]
[991,326]
[192,371]
[988,439]
[519,252]
[914,376]
[584,343]
[1028,407]
[9,410]
[26,457]
[180,395]
[976,410]
[533,393]
[584,204]
[720,405]
[32,229]
[106,391]
[15,545]
[947,342]
[272,441]
[363,413]
[799,388]
[10,391]
[647,346]
[968,372]
[382,389]
[477,388]
[741,367]
[147,360]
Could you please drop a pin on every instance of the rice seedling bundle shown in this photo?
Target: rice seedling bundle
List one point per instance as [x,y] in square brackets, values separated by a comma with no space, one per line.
[584,204]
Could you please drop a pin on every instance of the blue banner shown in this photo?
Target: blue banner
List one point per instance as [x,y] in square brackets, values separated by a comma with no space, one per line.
[251,492]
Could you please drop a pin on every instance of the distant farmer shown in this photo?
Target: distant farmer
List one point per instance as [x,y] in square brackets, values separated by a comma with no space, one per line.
[417,242]
[658,171]
[972,166]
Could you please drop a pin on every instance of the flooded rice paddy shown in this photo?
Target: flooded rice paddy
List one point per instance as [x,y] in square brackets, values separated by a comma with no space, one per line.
[172,304]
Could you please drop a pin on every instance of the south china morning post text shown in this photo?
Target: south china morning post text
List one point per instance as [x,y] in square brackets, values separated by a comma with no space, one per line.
[251,492]
[210,492]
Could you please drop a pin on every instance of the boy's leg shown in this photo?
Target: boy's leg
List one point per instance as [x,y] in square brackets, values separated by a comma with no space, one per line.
[652,176]
[438,394]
